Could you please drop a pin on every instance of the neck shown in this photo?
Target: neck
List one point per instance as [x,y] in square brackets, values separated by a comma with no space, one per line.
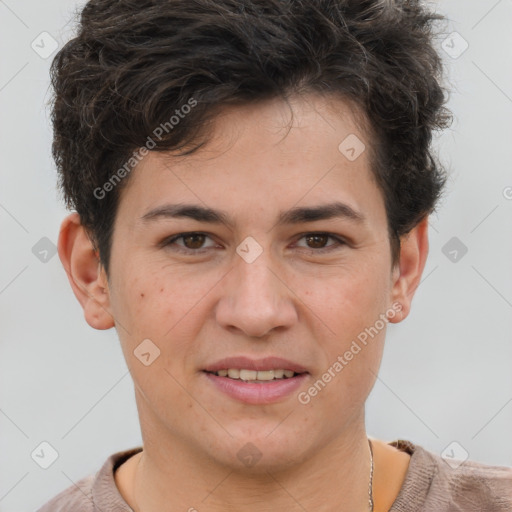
[171,476]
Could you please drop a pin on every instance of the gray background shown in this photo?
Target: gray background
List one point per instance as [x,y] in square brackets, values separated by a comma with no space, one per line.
[446,374]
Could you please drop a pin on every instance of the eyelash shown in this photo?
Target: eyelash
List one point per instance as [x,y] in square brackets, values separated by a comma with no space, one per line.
[169,241]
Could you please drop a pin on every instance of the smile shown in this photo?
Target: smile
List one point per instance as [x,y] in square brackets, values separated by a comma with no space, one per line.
[256,387]
[255,376]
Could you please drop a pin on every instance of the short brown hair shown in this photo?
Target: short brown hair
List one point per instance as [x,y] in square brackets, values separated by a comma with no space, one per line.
[133,63]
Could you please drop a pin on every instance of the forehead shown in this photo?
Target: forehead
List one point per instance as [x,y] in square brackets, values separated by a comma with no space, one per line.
[258,156]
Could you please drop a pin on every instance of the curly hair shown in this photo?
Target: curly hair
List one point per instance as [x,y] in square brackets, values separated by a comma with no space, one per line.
[134,62]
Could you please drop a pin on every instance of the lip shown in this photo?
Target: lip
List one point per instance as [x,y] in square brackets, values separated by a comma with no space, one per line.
[246,363]
[266,392]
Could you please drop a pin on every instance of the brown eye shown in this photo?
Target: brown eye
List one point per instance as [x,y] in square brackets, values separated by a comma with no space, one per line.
[193,241]
[316,242]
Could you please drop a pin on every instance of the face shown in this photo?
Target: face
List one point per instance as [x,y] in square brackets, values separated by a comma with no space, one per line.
[269,282]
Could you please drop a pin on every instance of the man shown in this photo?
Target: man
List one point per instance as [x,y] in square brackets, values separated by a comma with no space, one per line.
[252,183]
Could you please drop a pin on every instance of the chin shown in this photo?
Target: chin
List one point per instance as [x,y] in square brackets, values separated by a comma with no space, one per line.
[259,449]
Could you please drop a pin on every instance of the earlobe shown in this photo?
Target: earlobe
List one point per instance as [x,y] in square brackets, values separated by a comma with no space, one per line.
[85,272]
[407,275]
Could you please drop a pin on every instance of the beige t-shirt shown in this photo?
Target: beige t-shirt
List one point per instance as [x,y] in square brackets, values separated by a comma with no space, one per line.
[430,485]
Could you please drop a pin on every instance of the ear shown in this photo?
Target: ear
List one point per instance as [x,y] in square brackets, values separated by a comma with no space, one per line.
[85,272]
[407,273]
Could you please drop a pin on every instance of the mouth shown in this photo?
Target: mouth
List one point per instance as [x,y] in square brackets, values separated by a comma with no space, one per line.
[264,382]
[255,376]
[252,381]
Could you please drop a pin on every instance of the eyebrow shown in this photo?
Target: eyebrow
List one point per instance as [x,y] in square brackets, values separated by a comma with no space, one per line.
[297,215]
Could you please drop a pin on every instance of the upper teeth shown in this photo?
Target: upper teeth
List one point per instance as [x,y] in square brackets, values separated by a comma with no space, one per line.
[235,373]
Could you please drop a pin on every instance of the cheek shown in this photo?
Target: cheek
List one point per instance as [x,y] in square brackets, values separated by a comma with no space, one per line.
[141,293]
[349,301]
[138,309]
[351,306]
[164,308]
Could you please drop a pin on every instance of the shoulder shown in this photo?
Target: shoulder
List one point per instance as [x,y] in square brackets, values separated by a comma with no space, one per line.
[93,493]
[477,486]
[443,484]
[77,497]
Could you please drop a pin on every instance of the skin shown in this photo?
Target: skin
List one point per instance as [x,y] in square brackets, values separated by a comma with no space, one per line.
[291,302]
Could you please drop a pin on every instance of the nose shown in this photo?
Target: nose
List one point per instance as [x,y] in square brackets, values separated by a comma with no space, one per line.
[256,298]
